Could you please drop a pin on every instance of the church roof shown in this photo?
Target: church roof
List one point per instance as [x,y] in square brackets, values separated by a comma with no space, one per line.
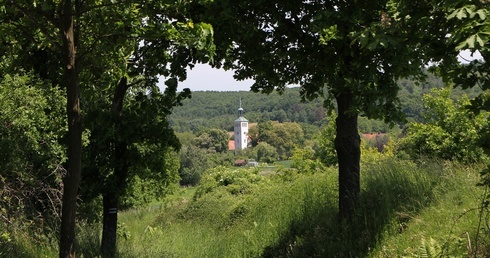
[241,119]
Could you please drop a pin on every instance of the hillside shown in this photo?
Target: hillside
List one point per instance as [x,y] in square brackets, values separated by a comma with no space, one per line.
[213,109]
[421,211]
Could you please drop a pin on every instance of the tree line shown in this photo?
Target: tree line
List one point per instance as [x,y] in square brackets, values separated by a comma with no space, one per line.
[214,109]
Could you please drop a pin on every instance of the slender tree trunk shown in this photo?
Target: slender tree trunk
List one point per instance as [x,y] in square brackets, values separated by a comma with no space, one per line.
[109,231]
[71,181]
[121,166]
[347,145]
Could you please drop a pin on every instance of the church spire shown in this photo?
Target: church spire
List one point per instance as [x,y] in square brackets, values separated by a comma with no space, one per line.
[240,110]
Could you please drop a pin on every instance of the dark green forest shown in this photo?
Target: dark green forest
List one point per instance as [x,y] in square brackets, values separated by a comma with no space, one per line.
[213,109]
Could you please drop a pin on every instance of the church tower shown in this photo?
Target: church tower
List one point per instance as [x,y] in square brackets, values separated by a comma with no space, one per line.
[241,130]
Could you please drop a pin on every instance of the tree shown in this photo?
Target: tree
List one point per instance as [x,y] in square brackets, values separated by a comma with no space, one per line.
[214,140]
[193,162]
[325,147]
[348,51]
[128,144]
[470,31]
[50,37]
[253,135]
[282,136]
[148,184]
[105,61]
[304,161]
[266,153]
[449,132]
[31,150]
[470,28]
[165,44]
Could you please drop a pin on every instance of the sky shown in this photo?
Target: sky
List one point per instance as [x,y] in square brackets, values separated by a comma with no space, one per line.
[204,78]
[466,56]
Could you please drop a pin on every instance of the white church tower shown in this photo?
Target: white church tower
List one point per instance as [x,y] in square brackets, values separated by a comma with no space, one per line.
[241,130]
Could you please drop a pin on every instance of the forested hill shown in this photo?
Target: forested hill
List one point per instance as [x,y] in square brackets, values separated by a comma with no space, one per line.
[214,109]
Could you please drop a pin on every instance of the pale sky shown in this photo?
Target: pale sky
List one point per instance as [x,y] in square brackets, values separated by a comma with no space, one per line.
[466,56]
[205,78]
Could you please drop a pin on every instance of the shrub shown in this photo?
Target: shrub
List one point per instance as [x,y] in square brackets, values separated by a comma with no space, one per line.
[304,161]
[450,132]
[235,181]
[32,126]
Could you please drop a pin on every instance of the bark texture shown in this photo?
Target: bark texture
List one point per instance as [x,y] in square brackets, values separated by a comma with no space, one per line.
[347,145]
[118,180]
[71,181]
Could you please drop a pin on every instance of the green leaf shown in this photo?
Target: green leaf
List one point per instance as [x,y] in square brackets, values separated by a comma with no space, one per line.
[482,14]
[470,42]
[458,13]
[480,40]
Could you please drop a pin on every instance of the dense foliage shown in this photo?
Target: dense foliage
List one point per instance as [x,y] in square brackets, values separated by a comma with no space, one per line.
[212,109]
[266,153]
[98,50]
[213,140]
[450,131]
[208,109]
[32,127]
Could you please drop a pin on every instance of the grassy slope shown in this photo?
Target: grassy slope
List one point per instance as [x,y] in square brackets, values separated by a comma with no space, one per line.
[407,211]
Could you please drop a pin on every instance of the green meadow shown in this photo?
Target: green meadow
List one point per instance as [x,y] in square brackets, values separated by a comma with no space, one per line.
[428,209]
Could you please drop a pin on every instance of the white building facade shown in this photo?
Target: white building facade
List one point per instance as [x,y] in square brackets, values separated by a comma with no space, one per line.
[241,131]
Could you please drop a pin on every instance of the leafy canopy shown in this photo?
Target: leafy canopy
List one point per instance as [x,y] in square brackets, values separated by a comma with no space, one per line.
[326,47]
[450,131]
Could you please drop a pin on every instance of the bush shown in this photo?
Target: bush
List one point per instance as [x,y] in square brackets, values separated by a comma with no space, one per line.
[304,161]
[266,153]
[235,181]
[32,126]
[451,132]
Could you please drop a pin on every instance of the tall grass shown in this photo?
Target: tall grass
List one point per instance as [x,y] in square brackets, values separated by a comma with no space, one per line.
[447,225]
[222,225]
[18,244]
[405,210]
[401,204]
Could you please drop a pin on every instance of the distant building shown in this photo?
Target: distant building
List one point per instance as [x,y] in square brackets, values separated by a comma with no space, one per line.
[241,130]
[240,162]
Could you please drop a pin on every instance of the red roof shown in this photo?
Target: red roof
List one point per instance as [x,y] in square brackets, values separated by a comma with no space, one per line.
[231,145]
[240,162]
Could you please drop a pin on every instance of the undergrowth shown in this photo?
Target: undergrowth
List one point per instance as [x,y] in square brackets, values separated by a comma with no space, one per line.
[429,209]
[405,208]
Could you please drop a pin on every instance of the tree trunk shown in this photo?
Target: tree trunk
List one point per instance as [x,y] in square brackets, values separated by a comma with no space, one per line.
[347,145]
[71,181]
[121,166]
[109,231]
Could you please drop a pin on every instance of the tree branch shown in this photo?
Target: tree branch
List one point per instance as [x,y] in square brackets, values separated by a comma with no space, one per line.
[42,28]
